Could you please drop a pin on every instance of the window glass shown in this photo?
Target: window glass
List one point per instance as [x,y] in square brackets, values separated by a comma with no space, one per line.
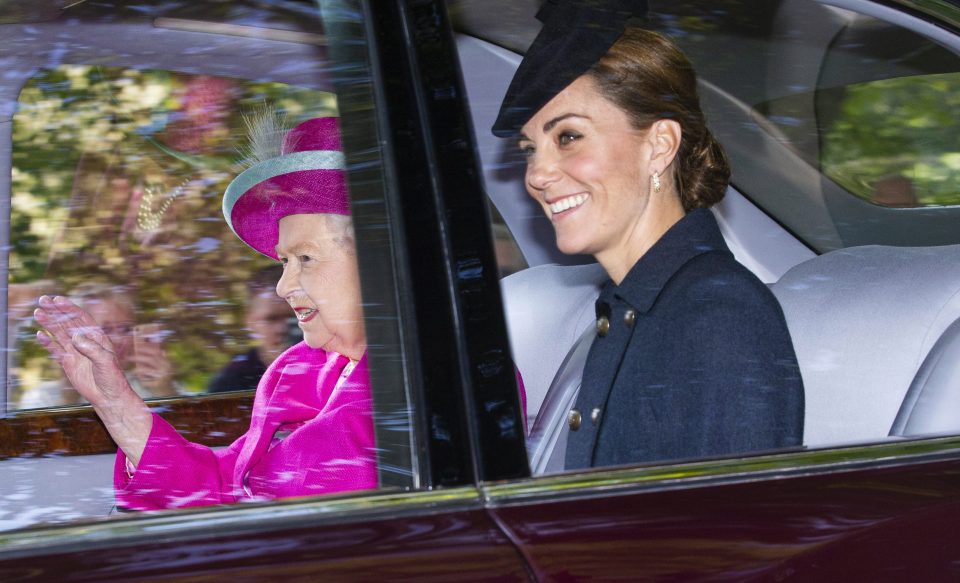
[891,142]
[509,256]
[867,104]
[878,122]
[117,181]
[126,125]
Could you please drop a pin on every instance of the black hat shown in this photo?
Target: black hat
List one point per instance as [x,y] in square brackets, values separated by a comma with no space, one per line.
[575,35]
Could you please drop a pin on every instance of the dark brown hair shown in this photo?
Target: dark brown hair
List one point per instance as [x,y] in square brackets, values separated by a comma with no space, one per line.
[647,76]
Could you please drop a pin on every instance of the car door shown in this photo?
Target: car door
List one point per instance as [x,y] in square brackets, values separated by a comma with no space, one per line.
[446,408]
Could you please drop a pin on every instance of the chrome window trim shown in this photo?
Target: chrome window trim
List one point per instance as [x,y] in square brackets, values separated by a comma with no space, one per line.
[233,520]
[773,466]
[940,10]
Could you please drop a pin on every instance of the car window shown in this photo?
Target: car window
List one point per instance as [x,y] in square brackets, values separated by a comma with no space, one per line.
[867,103]
[116,181]
[889,140]
[125,126]
[509,256]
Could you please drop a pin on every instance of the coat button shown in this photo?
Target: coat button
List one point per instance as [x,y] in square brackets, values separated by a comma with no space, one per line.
[574,419]
[629,318]
[603,325]
[595,415]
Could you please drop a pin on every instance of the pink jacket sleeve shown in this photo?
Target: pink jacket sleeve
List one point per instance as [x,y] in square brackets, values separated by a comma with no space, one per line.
[330,446]
[327,443]
[175,473]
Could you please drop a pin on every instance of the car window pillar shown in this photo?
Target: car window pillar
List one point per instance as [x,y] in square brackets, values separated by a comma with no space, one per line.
[457,358]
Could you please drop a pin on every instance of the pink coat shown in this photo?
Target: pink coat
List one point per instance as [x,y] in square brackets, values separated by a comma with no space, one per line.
[305,438]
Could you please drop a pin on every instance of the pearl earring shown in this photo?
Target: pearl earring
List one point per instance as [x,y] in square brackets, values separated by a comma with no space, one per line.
[656,182]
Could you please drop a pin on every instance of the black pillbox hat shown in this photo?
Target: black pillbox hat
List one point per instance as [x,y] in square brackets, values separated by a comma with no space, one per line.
[575,35]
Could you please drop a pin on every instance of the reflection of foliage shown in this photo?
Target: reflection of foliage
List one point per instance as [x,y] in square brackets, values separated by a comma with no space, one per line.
[892,141]
[898,128]
[118,175]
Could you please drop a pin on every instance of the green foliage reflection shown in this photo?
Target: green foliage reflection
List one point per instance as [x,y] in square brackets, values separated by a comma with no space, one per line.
[117,177]
[891,142]
[895,141]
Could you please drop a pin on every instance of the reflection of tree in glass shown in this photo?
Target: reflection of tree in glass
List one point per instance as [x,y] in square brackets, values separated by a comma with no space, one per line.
[895,140]
[122,171]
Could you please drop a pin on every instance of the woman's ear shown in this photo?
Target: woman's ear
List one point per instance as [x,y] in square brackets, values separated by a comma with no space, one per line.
[664,135]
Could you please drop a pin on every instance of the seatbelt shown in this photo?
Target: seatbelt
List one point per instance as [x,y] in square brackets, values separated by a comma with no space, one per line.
[547,442]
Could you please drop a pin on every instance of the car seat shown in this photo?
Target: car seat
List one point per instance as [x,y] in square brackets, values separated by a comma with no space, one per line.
[932,404]
[876,330]
[875,333]
[547,308]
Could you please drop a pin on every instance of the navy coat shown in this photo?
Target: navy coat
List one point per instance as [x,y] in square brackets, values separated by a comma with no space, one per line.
[692,358]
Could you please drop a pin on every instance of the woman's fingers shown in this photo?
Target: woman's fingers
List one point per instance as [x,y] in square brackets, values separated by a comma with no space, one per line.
[72,314]
[70,326]
[52,346]
[92,343]
[53,322]
[52,316]
[82,348]
[60,310]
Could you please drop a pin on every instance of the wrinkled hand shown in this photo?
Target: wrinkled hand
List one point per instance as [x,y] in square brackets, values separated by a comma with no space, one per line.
[87,358]
[82,348]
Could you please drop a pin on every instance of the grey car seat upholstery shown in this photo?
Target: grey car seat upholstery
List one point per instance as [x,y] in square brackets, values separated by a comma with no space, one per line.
[866,324]
[876,330]
[547,308]
[547,442]
[932,404]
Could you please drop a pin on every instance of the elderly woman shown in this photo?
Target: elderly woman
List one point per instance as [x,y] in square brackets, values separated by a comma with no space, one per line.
[692,355]
[311,430]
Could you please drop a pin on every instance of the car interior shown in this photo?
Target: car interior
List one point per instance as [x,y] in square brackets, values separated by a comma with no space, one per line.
[872,321]
[874,313]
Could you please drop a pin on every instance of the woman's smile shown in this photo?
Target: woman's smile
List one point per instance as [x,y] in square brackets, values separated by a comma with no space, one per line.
[566,204]
[304,315]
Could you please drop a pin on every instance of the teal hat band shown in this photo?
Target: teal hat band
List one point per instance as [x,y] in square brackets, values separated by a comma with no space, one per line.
[264,171]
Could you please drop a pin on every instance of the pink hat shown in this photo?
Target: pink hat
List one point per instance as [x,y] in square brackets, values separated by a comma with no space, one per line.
[308,177]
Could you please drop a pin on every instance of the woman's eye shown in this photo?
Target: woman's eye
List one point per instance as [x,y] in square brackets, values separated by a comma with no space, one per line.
[527,149]
[284,261]
[567,138]
[304,258]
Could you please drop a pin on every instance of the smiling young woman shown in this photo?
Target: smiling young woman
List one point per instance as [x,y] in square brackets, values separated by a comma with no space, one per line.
[587,166]
[692,356]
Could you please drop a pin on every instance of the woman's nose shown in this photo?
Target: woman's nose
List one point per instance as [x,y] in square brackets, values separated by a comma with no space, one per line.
[542,172]
[287,282]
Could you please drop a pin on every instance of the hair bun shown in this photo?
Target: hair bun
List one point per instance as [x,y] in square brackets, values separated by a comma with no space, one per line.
[705,174]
